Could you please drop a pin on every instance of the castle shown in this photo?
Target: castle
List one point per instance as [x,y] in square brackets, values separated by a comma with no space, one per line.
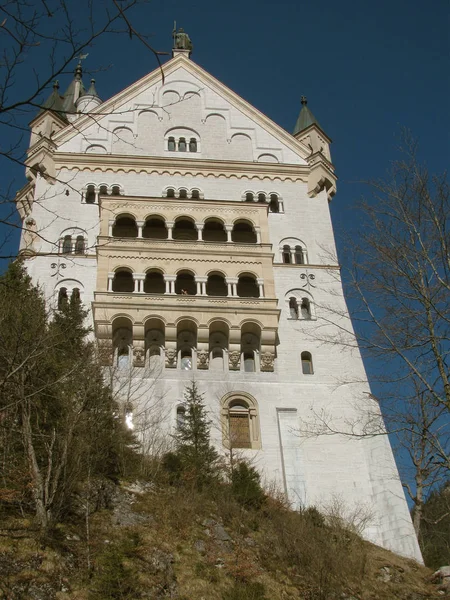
[198,233]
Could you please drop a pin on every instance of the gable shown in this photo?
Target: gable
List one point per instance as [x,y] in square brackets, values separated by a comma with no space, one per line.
[188,105]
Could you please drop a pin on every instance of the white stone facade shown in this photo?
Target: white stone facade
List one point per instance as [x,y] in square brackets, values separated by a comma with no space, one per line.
[128,151]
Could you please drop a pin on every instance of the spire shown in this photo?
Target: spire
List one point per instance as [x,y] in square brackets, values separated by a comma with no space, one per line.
[92,91]
[75,90]
[54,102]
[88,100]
[305,118]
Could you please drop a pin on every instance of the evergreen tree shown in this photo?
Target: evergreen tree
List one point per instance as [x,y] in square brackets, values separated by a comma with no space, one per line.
[197,456]
[58,420]
[435,531]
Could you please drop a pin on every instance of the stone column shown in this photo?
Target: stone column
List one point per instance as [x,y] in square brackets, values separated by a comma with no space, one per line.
[199,227]
[260,283]
[169,225]
[293,256]
[110,227]
[139,278]
[96,196]
[229,229]
[229,285]
[201,285]
[305,256]
[110,281]
[170,283]
[233,282]
[140,225]
[258,235]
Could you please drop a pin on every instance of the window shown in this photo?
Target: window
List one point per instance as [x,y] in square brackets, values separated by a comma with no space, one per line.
[192,145]
[249,362]
[90,194]
[115,190]
[293,308]
[67,244]
[249,197]
[79,245]
[63,298]
[240,421]
[171,193]
[195,194]
[305,308]
[182,145]
[298,255]
[186,360]
[181,416]
[286,255]
[307,366]
[274,205]
[239,426]
[183,193]
[171,144]
[123,282]
[261,198]
[76,295]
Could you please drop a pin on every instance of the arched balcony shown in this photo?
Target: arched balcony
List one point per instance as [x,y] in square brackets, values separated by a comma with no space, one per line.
[186,344]
[214,231]
[125,227]
[184,229]
[122,331]
[154,342]
[250,347]
[216,285]
[123,281]
[185,284]
[247,286]
[154,283]
[154,229]
[244,233]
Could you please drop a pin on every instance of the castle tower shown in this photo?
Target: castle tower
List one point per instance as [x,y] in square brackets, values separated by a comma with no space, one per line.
[194,229]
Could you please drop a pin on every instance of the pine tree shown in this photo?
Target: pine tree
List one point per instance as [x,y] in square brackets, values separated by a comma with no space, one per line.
[197,455]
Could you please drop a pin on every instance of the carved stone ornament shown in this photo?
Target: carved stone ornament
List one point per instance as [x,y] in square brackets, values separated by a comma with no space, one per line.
[139,356]
[234,358]
[202,359]
[105,352]
[267,360]
[171,358]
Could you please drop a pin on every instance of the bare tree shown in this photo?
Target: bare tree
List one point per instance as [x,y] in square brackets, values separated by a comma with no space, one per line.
[397,280]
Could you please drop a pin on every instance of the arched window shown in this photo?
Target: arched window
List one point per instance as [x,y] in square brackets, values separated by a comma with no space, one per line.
[305,308]
[243,233]
[214,231]
[247,287]
[67,244]
[154,283]
[90,194]
[76,295]
[183,194]
[182,145]
[123,282]
[249,197]
[287,255]
[103,190]
[184,229]
[274,204]
[79,245]
[293,307]
[154,229]
[171,144]
[63,298]
[125,227]
[216,285]
[240,421]
[192,145]
[239,425]
[307,366]
[181,416]
[298,255]
[170,193]
[195,195]
[185,284]
[261,198]
[115,190]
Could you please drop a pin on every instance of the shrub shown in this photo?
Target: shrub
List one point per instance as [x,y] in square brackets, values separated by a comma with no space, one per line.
[245,591]
[246,485]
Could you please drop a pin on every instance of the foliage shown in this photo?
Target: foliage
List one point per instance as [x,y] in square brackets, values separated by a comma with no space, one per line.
[59,424]
[193,446]
[246,485]
[435,531]
[245,591]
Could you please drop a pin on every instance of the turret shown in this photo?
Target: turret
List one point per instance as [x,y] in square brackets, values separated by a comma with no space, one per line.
[50,119]
[89,100]
[308,131]
[73,92]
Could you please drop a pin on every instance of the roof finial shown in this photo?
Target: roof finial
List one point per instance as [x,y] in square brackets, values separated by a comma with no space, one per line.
[181,40]
[56,85]
[304,100]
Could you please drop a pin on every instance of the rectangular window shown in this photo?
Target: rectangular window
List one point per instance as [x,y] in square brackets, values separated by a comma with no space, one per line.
[240,431]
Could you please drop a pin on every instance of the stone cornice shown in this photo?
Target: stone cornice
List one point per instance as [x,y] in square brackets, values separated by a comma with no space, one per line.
[180,166]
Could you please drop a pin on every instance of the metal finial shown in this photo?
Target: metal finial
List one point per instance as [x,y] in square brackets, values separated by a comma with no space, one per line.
[304,100]
[92,81]
[56,85]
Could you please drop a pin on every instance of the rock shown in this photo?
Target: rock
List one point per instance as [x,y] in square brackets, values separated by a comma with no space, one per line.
[73,537]
[220,534]
[250,541]
[199,545]
[208,522]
